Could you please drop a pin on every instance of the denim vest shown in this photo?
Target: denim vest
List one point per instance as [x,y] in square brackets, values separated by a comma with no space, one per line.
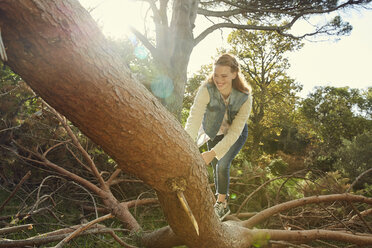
[216,108]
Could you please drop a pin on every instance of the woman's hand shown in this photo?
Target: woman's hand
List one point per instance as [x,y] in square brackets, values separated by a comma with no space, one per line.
[208,156]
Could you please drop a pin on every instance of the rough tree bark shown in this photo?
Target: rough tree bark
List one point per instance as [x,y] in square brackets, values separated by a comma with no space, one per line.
[57,48]
[174,44]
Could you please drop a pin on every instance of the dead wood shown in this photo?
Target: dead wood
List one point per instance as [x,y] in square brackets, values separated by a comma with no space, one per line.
[14,229]
[267,213]
[25,177]
[53,237]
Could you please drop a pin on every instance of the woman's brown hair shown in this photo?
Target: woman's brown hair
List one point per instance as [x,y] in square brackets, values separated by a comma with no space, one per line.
[238,83]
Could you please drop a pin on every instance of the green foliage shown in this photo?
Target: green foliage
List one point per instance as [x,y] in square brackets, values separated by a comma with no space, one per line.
[335,115]
[324,184]
[355,157]
[263,60]
[260,239]
[191,89]
[340,27]
[278,167]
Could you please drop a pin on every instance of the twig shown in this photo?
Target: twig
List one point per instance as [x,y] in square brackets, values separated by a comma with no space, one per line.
[267,213]
[316,234]
[360,216]
[3,55]
[123,180]
[78,160]
[13,229]
[113,176]
[52,147]
[25,177]
[9,128]
[39,199]
[254,192]
[338,220]
[47,238]
[129,204]
[25,215]
[286,244]
[44,161]
[326,244]
[81,149]
[357,179]
[120,241]
[81,229]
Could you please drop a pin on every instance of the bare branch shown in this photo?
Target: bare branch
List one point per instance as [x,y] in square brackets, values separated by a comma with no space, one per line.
[9,128]
[212,28]
[129,204]
[81,229]
[358,178]
[120,241]
[135,203]
[144,41]
[228,13]
[76,142]
[310,235]
[60,170]
[243,9]
[113,176]
[13,229]
[360,217]
[48,237]
[24,178]
[259,188]
[265,214]
[52,147]
[124,180]
[78,160]
[25,215]
[5,93]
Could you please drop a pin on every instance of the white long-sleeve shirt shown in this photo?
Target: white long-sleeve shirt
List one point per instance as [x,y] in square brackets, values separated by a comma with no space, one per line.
[197,111]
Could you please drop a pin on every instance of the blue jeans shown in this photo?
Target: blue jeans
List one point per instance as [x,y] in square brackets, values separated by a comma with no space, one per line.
[221,168]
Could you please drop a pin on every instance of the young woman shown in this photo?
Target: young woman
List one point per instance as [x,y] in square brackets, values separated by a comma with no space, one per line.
[219,117]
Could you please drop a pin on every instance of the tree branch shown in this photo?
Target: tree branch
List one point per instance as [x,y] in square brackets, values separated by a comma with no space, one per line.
[358,178]
[50,237]
[310,235]
[144,41]
[113,176]
[76,142]
[24,178]
[44,161]
[13,229]
[81,229]
[212,28]
[267,213]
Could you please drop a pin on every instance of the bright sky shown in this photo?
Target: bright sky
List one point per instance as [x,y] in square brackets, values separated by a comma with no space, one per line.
[346,62]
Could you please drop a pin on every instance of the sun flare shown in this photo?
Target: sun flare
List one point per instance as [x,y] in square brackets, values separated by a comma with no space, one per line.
[115,16]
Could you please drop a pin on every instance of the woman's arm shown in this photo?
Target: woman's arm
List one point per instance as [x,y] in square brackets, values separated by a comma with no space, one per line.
[197,111]
[235,129]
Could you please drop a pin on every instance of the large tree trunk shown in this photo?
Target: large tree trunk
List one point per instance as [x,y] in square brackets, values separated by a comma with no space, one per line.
[57,48]
[174,44]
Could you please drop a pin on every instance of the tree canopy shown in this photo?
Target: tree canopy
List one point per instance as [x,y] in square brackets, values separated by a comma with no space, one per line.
[174,25]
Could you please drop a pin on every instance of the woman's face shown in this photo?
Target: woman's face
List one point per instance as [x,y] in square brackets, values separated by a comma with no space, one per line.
[222,78]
